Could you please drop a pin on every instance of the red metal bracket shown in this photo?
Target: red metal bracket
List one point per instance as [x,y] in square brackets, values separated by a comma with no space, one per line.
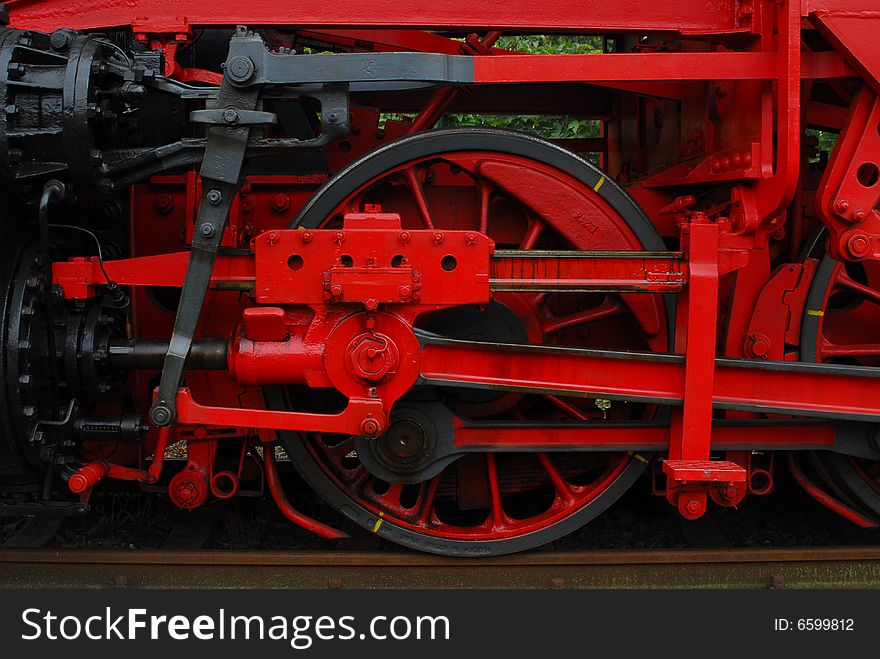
[362,416]
[372,259]
[850,189]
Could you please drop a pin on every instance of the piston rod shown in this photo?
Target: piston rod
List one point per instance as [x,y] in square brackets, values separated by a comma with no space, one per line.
[205,354]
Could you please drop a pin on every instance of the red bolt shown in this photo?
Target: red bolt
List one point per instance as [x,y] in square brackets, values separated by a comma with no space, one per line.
[858,245]
[470,237]
[758,344]
[404,237]
[730,492]
[405,292]
[859,215]
[438,237]
[307,236]
[336,290]
[280,203]
[186,493]
[841,205]
[693,507]
[370,427]
[272,238]
[164,203]
[339,237]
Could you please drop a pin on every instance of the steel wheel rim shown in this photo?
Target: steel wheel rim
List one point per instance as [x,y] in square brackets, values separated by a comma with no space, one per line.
[493,535]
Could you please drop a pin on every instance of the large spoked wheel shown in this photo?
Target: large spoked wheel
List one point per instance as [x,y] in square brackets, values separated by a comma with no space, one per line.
[525,194]
[840,326]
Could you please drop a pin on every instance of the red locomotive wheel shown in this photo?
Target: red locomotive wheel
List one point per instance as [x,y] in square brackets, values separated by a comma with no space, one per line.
[839,326]
[525,194]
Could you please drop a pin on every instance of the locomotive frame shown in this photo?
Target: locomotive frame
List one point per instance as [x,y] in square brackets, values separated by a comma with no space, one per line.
[424,298]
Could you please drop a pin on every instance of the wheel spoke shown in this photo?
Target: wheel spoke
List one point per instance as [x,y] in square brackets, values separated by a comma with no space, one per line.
[571,410]
[609,308]
[534,229]
[426,499]
[563,490]
[831,350]
[485,198]
[844,280]
[498,516]
[415,186]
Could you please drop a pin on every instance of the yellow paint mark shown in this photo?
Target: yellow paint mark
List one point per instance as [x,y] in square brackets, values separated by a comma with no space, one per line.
[641,458]
[378,523]
[815,312]
[599,184]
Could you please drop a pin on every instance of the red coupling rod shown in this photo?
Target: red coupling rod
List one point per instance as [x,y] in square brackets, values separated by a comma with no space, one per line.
[284,506]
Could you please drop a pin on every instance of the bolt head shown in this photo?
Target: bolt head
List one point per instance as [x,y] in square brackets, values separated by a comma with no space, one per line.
[693,507]
[230,116]
[164,203]
[858,245]
[240,69]
[61,39]
[160,415]
[280,202]
[186,493]
[207,230]
[215,197]
[370,427]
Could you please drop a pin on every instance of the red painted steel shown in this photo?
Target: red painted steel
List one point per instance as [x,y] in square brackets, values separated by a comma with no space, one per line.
[702,123]
[151,16]
[291,513]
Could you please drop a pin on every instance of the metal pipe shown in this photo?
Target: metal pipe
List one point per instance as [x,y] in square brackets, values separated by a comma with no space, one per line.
[284,506]
[825,499]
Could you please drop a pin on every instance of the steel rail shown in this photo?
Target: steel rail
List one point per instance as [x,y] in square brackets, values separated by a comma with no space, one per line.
[836,567]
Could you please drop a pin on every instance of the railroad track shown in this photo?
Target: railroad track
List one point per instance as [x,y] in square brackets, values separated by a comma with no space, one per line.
[842,567]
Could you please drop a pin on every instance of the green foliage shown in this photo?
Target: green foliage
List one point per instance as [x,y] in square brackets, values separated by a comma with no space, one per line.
[826,140]
[552,44]
[548,127]
[551,127]
[825,143]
